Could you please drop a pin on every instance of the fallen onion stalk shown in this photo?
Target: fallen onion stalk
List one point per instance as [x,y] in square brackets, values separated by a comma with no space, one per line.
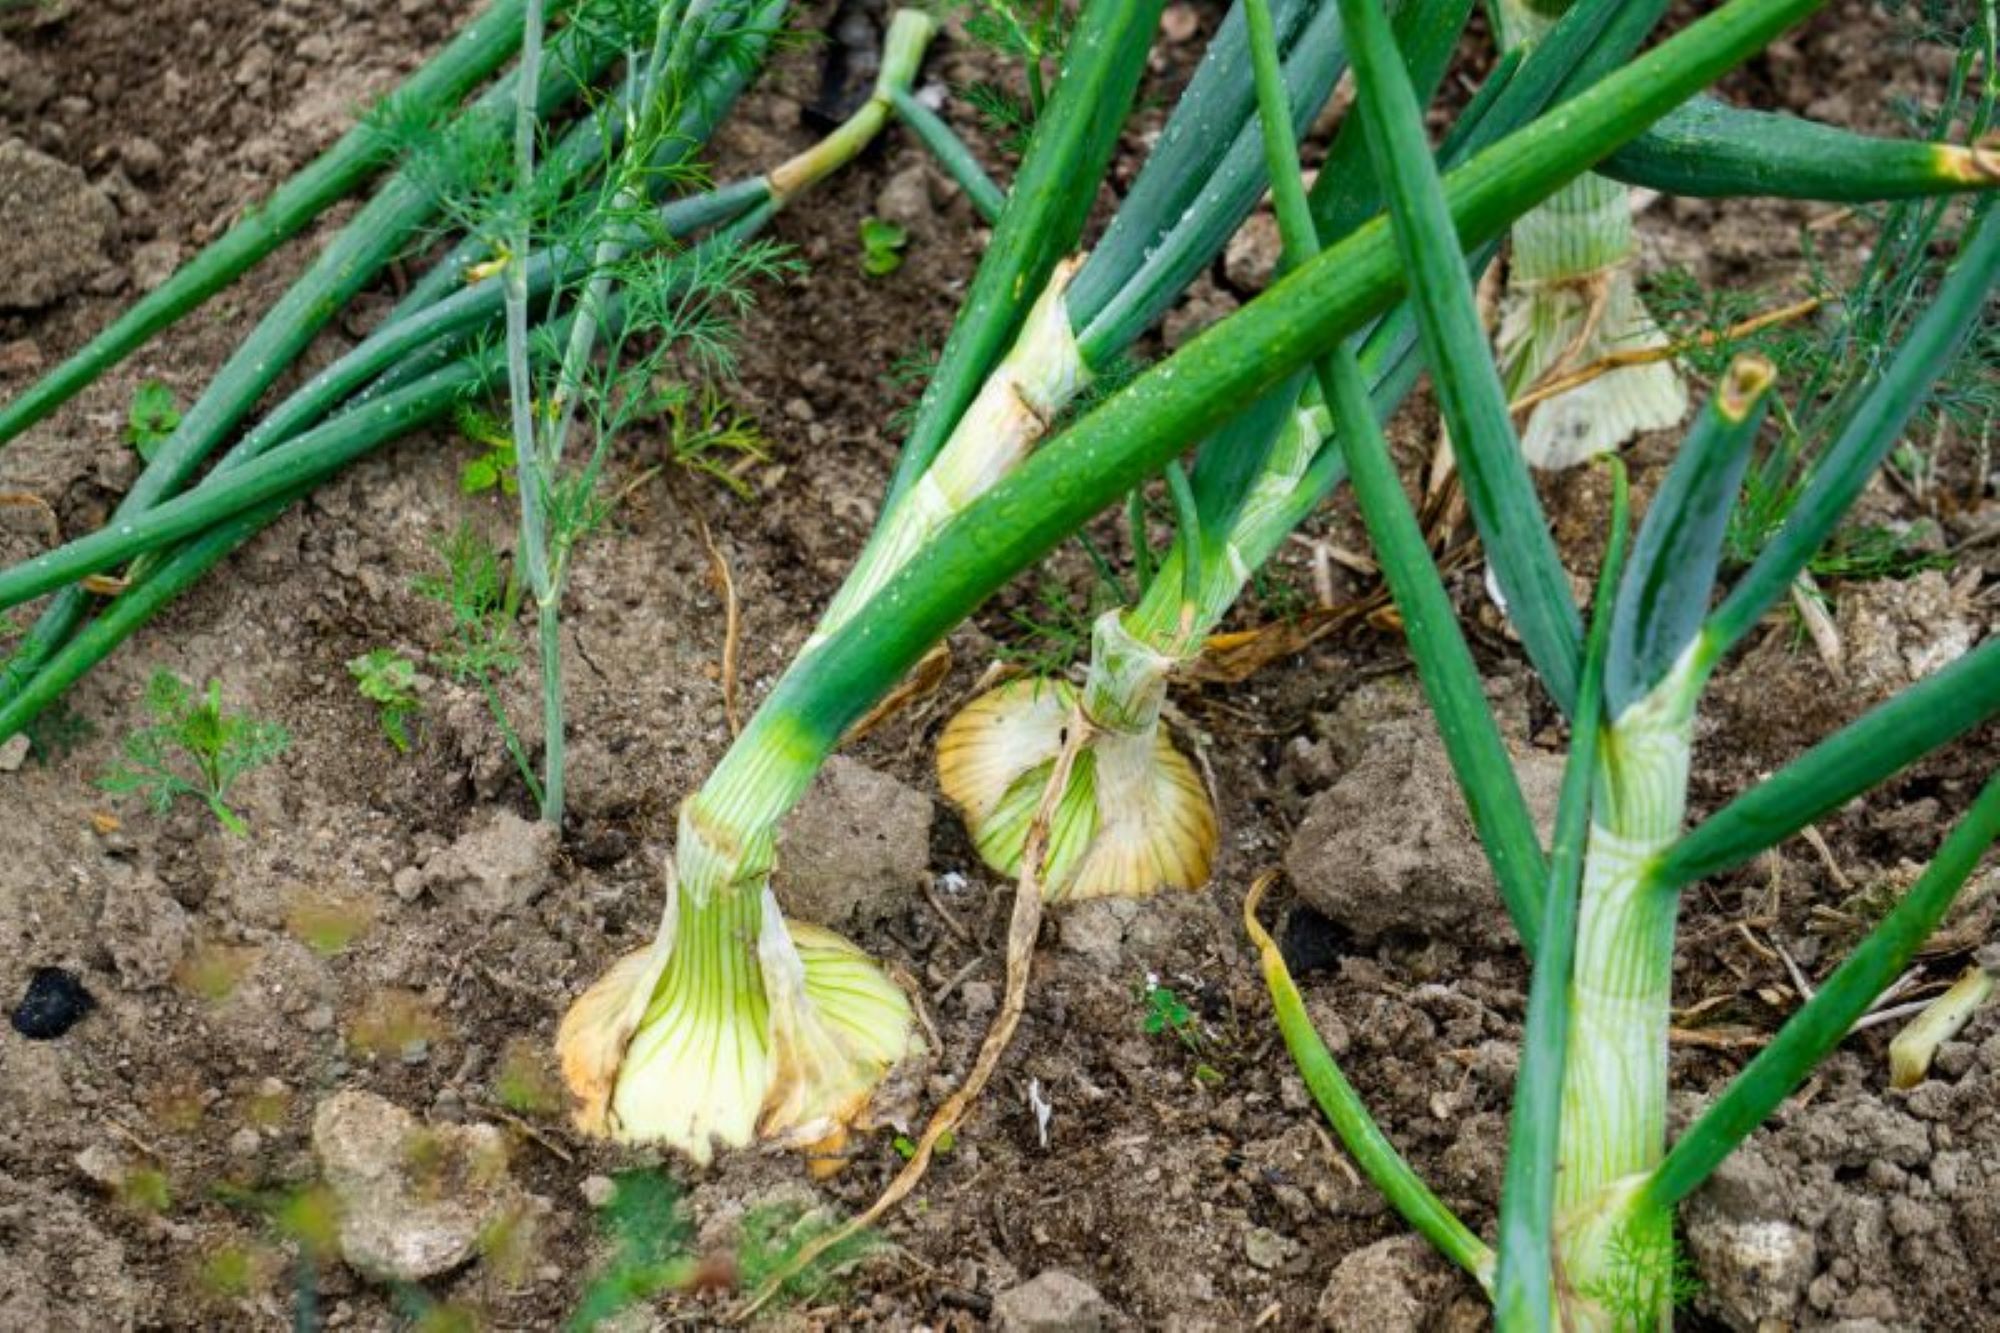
[347,263]
[230,505]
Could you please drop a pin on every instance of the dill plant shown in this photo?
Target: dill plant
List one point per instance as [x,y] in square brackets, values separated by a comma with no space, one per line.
[193,748]
[437,346]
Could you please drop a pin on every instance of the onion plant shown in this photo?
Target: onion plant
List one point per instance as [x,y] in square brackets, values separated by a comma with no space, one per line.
[1133,818]
[800,1077]
[699,1038]
[734,1024]
[1585,1222]
[1571,299]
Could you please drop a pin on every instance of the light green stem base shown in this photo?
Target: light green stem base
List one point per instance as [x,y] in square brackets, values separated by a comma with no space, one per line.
[1614,1101]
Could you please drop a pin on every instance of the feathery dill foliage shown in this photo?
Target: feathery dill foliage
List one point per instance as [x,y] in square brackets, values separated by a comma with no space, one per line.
[1033,32]
[1827,363]
[637,328]
[193,748]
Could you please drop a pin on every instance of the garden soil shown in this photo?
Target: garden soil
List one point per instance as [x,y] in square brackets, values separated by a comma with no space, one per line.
[354,1001]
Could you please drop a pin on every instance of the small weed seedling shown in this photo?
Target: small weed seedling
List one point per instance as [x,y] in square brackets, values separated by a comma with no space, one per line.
[882,247]
[906,1147]
[389,679]
[493,468]
[706,434]
[776,1237]
[154,416]
[1034,32]
[651,1248]
[1167,1013]
[193,748]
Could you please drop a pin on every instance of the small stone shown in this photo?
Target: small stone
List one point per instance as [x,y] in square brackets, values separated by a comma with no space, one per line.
[500,866]
[245,1142]
[1096,928]
[1054,1302]
[798,409]
[599,1191]
[1392,1286]
[154,262]
[142,157]
[856,849]
[906,199]
[408,884]
[319,1018]
[1266,1249]
[1180,23]
[414,1200]
[21,356]
[1897,631]
[56,224]
[102,1165]
[1389,846]
[1753,1273]
[980,998]
[1251,256]
[14,753]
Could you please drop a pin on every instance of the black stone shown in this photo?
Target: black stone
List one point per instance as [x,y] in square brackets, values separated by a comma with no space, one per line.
[1309,942]
[55,1002]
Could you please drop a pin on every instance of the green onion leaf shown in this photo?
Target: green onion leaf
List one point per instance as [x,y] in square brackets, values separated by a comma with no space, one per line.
[1498,488]
[1853,760]
[1666,590]
[1711,150]
[1811,1033]
[1524,1297]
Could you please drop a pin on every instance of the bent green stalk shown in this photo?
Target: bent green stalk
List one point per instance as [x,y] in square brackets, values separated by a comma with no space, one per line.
[1711,150]
[470,57]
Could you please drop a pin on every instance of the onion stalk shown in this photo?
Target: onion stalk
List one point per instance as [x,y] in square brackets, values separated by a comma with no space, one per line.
[1595,1195]
[725,1030]
[1008,371]
[1912,1050]
[1571,300]
[727,829]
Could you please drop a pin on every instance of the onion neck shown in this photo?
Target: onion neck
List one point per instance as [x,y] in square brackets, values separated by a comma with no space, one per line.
[1614,1102]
